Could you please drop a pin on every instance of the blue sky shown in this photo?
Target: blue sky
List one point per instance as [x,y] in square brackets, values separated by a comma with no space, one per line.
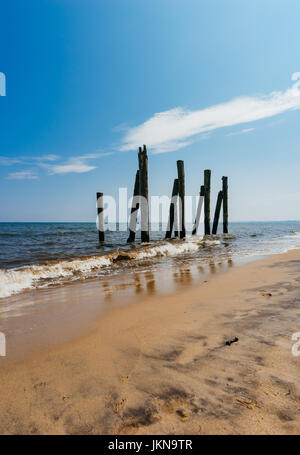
[208,82]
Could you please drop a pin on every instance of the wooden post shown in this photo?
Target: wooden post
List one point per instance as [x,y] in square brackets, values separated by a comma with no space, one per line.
[143,192]
[199,209]
[181,188]
[100,216]
[217,212]
[225,204]
[207,174]
[172,210]
[134,209]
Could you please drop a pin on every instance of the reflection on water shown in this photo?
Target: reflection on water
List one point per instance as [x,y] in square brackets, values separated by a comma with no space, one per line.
[31,319]
[212,267]
[138,284]
[150,283]
[146,279]
[155,280]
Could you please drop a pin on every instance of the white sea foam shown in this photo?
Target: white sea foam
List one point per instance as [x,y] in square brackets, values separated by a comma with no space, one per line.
[292,235]
[28,277]
[13,281]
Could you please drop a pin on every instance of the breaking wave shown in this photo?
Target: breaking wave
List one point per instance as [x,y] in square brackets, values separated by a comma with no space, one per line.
[292,234]
[13,281]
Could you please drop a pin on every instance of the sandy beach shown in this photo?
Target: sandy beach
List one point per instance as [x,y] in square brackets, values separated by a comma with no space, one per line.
[160,364]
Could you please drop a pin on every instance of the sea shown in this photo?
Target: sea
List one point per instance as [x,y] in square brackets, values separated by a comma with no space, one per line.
[39,255]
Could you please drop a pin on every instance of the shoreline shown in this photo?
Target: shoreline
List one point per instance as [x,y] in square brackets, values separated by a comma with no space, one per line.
[161,365]
[38,320]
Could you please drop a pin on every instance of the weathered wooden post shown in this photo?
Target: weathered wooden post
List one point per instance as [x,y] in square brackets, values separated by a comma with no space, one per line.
[225,204]
[100,216]
[134,209]
[217,212]
[172,210]
[199,210]
[143,192]
[207,175]
[181,191]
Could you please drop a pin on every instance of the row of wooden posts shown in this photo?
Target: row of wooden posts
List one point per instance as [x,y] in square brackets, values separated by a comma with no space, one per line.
[141,198]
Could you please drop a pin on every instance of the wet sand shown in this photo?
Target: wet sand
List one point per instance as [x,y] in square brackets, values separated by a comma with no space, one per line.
[160,364]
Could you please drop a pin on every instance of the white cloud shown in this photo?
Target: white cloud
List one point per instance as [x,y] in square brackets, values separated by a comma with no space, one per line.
[76,165]
[22,175]
[9,161]
[90,156]
[175,128]
[244,131]
[49,157]
[6,161]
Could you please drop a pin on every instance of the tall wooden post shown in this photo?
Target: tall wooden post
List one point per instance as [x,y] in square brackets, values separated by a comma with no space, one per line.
[172,210]
[217,212]
[199,210]
[134,209]
[143,192]
[225,204]
[100,216]
[207,175]
[181,182]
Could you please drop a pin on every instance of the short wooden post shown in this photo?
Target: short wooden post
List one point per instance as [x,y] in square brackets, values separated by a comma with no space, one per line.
[181,191]
[100,216]
[143,192]
[225,204]
[217,212]
[172,209]
[207,175]
[134,209]
[199,210]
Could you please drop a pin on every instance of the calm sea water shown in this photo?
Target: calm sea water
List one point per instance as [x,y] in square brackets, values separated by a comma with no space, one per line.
[36,255]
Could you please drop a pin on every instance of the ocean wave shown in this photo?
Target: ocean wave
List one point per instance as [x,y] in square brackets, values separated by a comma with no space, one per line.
[291,235]
[13,281]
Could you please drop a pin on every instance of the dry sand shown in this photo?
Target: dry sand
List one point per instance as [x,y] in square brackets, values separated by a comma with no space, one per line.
[161,366]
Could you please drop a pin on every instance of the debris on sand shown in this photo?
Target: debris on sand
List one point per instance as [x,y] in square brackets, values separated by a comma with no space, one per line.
[183,415]
[229,342]
[266,294]
[248,404]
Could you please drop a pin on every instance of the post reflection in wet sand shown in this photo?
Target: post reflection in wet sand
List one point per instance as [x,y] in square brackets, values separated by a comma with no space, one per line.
[107,290]
[150,283]
[138,284]
[212,267]
[186,276]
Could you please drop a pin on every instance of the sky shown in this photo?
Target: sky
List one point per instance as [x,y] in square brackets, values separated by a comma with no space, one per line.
[214,83]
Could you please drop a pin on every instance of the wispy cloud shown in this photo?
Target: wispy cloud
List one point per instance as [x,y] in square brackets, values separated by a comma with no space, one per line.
[10,161]
[7,161]
[51,163]
[244,131]
[76,165]
[176,128]
[49,157]
[22,175]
